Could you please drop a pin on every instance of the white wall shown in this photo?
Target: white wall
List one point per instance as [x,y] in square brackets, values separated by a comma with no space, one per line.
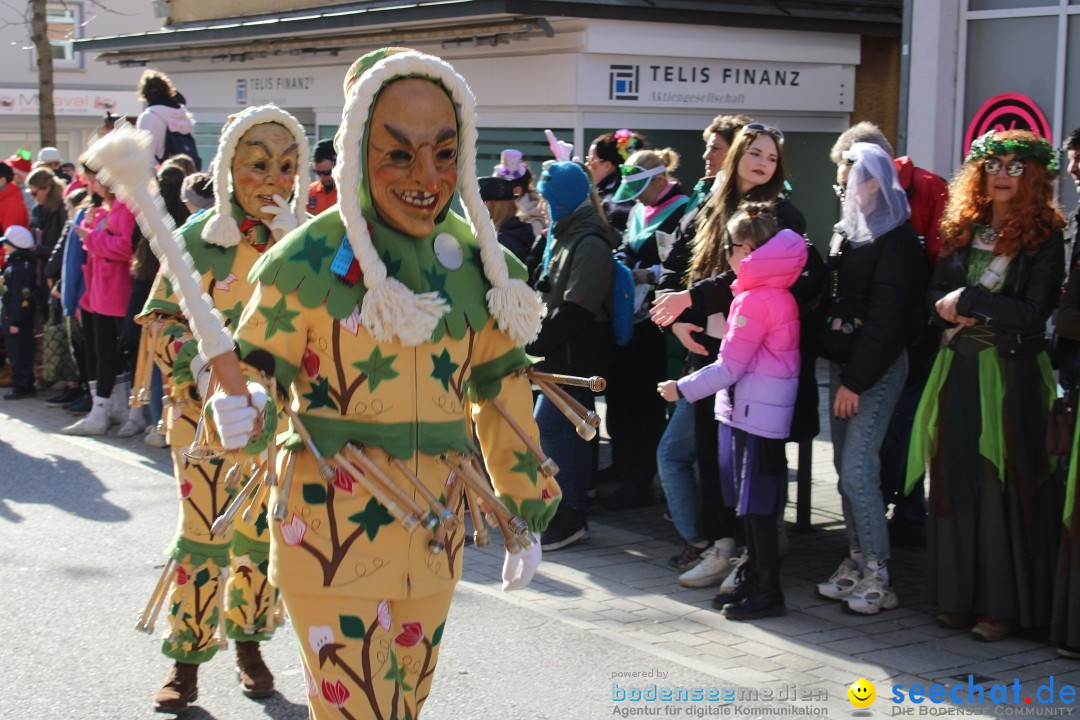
[935,35]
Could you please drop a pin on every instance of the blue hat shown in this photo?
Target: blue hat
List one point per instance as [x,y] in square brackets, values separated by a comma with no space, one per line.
[565,186]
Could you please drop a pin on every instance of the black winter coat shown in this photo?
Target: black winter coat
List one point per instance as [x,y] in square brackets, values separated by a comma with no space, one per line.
[1018,313]
[884,283]
[517,237]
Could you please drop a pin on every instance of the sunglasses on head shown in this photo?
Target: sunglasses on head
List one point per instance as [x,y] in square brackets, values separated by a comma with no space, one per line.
[324,173]
[993,165]
[768,129]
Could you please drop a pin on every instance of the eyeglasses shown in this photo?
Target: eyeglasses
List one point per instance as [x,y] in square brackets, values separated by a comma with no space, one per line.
[992,166]
[768,129]
[730,245]
[324,173]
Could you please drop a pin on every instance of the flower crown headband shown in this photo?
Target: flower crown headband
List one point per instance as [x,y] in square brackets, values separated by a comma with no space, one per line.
[626,142]
[1038,150]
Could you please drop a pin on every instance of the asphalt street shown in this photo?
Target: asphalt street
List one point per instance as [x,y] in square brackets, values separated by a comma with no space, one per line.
[83,524]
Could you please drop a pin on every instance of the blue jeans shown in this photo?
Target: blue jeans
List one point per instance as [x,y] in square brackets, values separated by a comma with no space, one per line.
[856,455]
[675,458]
[560,441]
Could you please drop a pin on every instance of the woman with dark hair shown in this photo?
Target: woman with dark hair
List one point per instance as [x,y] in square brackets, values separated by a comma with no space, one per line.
[994,506]
[164,113]
[753,171]
[606,157]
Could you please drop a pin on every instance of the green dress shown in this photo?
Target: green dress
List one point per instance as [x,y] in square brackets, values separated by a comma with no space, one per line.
[980,434]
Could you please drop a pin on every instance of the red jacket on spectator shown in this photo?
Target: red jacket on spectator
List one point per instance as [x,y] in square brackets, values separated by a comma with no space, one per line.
[927,194]
[12,212]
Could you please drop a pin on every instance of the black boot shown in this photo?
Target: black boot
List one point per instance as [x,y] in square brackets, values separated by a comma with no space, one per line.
[744,575]
[764,599]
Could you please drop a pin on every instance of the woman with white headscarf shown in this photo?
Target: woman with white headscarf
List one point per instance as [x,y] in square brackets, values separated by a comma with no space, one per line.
[877,284]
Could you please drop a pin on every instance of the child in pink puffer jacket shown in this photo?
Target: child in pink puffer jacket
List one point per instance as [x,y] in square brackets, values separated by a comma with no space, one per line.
[755,379]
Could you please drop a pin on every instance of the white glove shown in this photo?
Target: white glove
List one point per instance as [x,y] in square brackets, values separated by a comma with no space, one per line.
[519,567]
[284,221]
[235,417]
[201,373]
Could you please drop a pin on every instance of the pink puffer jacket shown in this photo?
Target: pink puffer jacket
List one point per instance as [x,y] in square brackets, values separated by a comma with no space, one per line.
[760,351]
[108,261]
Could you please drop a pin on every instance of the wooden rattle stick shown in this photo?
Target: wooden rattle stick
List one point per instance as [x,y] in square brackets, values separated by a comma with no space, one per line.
[447,518]
[223,639]
[516,524]
[376,474]
[326,471]
[162,585]
[258,496]
[281,507]
[223,521]
[271,449]
[407,520]
[594,383]
[480,533]
[583,428]
[547,465]
[589,416]
[140,394]
[152,620]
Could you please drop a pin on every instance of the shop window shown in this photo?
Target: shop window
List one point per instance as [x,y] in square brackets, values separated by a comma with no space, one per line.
[64,23]
[1001,54]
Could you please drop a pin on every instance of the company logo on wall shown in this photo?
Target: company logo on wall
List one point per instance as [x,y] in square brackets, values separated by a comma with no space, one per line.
[623,82]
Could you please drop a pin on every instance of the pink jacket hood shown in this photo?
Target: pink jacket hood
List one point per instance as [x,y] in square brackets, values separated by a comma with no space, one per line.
[776,264]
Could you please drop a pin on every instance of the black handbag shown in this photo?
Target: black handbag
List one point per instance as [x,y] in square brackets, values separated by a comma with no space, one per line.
[836,336]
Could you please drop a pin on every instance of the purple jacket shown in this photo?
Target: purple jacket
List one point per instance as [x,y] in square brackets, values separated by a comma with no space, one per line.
[760,351]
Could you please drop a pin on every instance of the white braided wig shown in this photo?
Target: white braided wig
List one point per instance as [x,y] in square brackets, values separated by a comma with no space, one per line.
[389,307]
[222,228]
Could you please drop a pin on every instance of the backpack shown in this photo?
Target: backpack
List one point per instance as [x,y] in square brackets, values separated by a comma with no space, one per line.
[622,304]
[181,144]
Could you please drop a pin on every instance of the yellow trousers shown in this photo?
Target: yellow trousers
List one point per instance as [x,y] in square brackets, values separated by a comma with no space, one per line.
[368,659]
[238,559]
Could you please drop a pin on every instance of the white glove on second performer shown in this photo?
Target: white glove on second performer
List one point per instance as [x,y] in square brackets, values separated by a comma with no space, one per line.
[235,417]
[201,373]
[519,567]
[284,221]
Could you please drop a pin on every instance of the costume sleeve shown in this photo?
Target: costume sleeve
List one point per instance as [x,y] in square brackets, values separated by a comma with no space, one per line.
[114,241]
[1027,311]
[272,333]
[514,471]
[174,345]
[1068,317]
[746,330]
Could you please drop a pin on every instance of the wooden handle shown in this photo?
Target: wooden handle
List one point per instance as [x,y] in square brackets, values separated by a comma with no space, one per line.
[594,383]
[552,392]
[447,518]
[376,474]
[547,465]
[147,616]
[407,520]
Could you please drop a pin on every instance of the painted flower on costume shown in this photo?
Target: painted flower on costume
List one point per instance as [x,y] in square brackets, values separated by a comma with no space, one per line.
[411,633]
[292,532]
[311,363]
[319,636]
[384,614]
[343,480]
[309,682]
[336,693]
[181,575]
[185,489]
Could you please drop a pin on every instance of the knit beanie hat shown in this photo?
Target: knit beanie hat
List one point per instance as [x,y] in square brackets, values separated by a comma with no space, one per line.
[565,186]
[389,308]
[222,229]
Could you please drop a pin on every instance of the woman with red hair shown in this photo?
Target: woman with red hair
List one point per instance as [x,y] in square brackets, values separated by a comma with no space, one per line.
[994,505]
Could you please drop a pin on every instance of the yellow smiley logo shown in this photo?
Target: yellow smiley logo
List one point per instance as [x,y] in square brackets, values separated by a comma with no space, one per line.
[862,693]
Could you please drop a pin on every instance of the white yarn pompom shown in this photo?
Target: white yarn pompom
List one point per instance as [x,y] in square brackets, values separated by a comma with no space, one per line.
[391,309]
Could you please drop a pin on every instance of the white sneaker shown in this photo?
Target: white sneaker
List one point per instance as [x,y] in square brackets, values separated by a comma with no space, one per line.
[96,423]
[154,437]
[872,595]
[715,565]
[843,581]
[735,576]
[134,424]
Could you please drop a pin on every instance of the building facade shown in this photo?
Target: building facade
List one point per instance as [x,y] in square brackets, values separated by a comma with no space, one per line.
[581,69]
[85,89]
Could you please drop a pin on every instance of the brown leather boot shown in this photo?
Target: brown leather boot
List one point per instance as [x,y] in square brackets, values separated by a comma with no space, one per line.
[256,680]
[180,688]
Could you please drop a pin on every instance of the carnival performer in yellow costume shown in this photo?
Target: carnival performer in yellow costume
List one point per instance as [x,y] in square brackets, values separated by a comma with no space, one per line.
[260,154]
[394,324]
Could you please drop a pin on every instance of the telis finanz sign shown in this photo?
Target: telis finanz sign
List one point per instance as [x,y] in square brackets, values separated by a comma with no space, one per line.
[628,81]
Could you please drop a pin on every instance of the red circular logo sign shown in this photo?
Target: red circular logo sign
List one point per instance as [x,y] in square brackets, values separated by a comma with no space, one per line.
[1007,111]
